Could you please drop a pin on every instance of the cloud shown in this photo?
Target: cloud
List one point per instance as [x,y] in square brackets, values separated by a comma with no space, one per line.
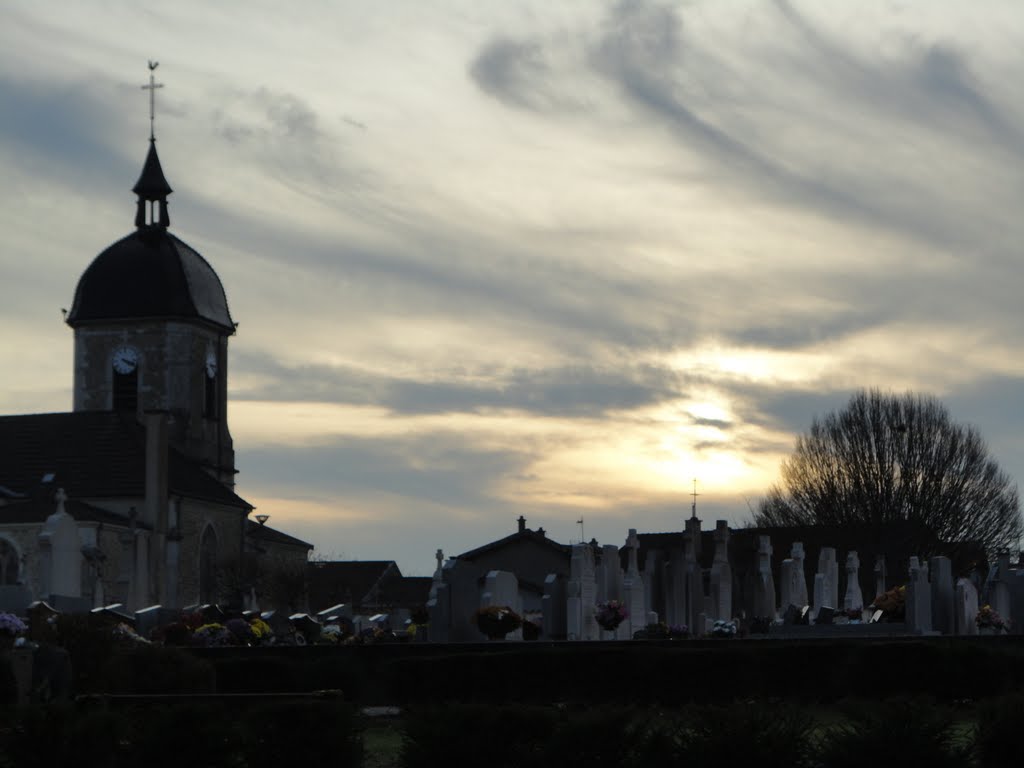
[575,390]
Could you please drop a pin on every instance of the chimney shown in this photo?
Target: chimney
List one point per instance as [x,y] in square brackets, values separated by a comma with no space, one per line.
[522,523]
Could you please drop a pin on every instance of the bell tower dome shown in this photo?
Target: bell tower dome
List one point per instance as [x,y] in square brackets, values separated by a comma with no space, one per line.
[151,325]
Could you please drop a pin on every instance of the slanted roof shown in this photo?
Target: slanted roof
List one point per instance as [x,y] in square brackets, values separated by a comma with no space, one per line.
[405,592]
[525,535]
[264,533]
[347,581]
[39,507]
[94,455]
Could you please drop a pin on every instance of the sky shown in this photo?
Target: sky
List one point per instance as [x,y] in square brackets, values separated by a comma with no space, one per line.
[549,259]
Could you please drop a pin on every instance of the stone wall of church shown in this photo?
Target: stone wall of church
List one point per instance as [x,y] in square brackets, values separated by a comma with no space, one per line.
[174,360]
[226,523]
[25,539]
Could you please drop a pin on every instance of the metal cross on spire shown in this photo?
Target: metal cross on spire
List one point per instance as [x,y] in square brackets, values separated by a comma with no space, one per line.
[695,495]
[153,85]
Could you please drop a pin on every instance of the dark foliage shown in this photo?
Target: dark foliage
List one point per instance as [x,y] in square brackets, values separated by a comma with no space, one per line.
[894,734]
[889,460]
[998,741]
[713,736]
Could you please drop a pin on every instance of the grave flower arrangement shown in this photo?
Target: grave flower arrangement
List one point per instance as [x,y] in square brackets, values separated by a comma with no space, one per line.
[11,625]
[610,614]
[722,628]
[241,631]
[892,603]
[214,634]
[261,632]
[496,621]
[989,618]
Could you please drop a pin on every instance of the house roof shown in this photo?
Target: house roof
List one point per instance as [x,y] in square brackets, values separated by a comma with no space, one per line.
[406,591]
[525,535]
[347,581]
[95,455]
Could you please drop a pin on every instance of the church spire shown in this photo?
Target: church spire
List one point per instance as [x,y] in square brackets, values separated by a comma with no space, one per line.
[152,187]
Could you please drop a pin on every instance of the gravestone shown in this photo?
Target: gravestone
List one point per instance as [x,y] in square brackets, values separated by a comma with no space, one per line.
[764,586]
[965,609]
[60,553]
[854,599]
[821,593]
[828,567]
[582,591]
[633,589]
[721,575]
[439,610]
[880,576]
[501,589]
[334,614]
[825,615]
[694,574]
[553,607]
[997,590]
[795,616]
[148,619]
[793,582]
[919,599]
[798,592]
[941,576]
[608,575]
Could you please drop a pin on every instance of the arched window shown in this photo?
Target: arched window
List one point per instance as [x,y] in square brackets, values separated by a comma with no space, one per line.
[208,566]
[210,409]
[126,391]
[10,564]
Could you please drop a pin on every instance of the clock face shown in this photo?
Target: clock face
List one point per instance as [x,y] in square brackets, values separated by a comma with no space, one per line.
[211,364]
[125,359]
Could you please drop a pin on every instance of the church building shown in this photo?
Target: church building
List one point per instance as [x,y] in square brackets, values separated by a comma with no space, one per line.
[130,498]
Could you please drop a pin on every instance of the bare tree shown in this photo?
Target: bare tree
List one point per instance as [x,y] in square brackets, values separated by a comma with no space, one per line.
[897,459]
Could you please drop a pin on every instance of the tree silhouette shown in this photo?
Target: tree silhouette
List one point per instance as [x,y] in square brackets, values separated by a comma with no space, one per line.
[897,461]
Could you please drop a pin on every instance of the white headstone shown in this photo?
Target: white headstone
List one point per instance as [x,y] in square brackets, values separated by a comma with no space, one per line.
[633,588]
[919,598]
[965,608]
[880,578]
[721,575]
[799,586]
[553,607]
[854,599]
[764,590]
[941,575]
[828,566]
[60,553]
[501,588]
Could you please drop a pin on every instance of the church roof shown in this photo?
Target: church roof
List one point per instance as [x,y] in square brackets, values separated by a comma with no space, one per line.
[265,533]
[41,506]
[95,455]
[150,274]
[152,184]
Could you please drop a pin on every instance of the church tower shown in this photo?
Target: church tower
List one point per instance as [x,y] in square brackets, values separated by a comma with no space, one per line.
[151,325]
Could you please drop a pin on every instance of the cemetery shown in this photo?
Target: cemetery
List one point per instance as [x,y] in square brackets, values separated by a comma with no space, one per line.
[664,639]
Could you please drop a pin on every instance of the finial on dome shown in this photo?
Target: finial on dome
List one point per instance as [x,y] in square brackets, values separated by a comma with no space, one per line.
[152,186]
[153,85]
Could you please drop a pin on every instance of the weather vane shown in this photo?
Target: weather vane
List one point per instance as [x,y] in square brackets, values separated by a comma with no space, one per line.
[153,85]
[579,522]
[695,495]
